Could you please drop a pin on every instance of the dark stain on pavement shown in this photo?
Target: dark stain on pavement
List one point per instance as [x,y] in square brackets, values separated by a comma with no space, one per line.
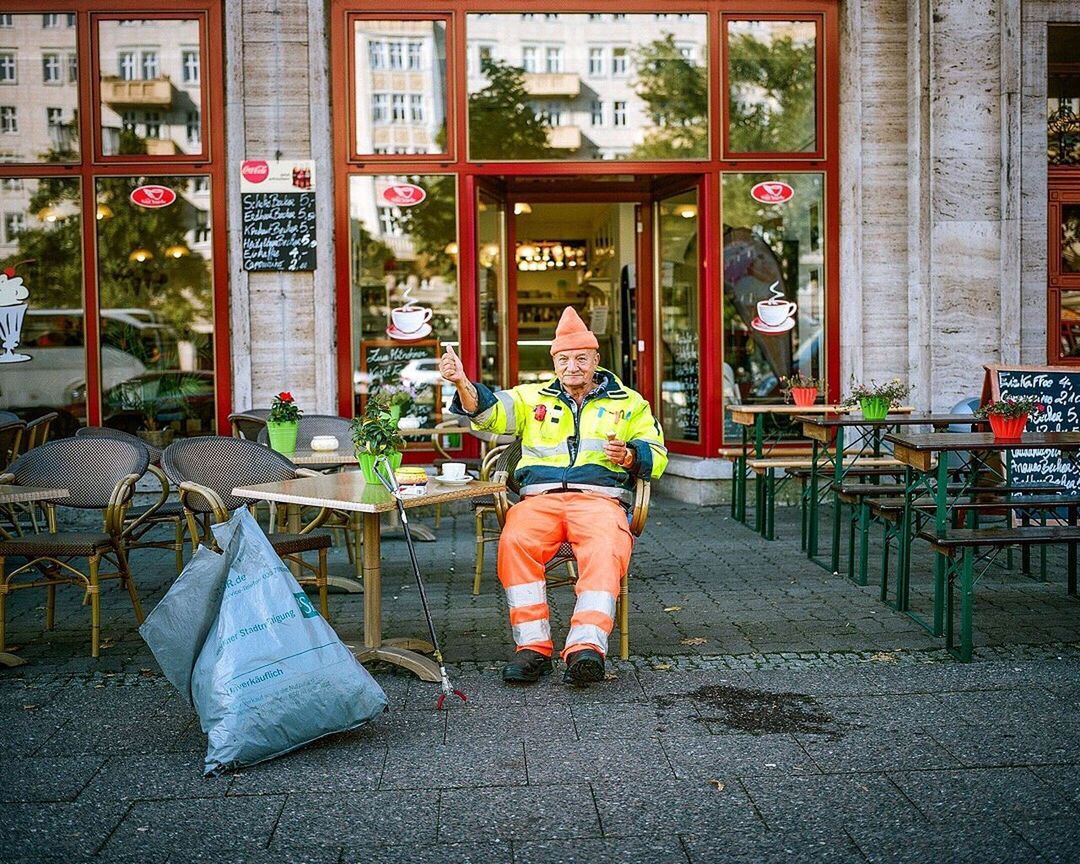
[759,712]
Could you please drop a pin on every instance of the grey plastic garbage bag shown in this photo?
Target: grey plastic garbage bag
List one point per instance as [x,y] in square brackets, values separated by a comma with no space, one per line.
[271,674]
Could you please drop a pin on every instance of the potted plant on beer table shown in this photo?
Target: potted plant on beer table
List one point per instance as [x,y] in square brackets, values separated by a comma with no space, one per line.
[375,435]
[801,390]
[283,422]
[1008,416]
[876,400]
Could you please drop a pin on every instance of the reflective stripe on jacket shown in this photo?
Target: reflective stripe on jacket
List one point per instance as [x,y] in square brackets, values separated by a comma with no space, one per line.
[562,446]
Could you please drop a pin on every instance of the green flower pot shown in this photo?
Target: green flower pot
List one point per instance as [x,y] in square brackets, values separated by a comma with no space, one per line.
[875,408]
[367,465]
[282,435]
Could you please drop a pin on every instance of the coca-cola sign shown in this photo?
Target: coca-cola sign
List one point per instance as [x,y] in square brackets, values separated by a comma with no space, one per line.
[152,196]
[403,194]
[772,192]
[255,170]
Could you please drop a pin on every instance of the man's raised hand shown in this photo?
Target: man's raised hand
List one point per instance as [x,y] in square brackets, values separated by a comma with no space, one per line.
[451,367]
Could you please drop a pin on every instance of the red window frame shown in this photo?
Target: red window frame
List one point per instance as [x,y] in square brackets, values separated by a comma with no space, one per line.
[91,165]
[1064,189]
[825,160]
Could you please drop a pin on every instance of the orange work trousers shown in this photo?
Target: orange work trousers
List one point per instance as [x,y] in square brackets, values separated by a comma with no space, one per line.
[535,527]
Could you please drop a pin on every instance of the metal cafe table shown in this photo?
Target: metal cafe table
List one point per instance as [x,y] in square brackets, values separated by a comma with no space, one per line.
[753,417]
[927,472]
[865,447]
[348,491]
[13,494]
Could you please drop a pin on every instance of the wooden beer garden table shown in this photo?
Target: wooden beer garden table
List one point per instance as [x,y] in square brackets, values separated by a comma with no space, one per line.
[927,470]
[13,494]
[348,491]
[822,428]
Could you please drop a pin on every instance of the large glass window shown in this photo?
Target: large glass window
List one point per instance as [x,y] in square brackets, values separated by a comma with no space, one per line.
[658,80]
[156,299]
[150,88]
[399,63]
[30,58]
[677,292]
[404,286]
[491,287]
[772,86]
[42,332]
[774,282]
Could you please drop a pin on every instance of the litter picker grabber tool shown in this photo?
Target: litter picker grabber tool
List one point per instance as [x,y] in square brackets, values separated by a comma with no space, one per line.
[392,487]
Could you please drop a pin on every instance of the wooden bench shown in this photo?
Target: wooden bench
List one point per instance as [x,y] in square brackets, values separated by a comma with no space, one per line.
[963,546]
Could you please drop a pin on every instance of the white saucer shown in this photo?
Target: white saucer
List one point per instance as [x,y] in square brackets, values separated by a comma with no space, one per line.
[402,336]
[455,482]
[762,327]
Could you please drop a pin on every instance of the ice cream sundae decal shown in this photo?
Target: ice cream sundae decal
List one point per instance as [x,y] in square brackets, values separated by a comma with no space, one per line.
[409,321]
[13,305]
[775,315]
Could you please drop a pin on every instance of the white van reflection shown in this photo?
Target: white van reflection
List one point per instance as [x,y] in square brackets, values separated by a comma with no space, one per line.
[132,342]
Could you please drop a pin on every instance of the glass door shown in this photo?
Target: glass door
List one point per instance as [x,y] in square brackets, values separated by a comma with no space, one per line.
[491,288]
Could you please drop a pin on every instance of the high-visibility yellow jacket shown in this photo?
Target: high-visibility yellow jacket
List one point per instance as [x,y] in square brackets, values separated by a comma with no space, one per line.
[562,445]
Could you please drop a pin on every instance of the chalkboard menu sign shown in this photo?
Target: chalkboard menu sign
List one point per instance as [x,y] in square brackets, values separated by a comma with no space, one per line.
[382,362]
[684,373]
[277,203]
[1058,389]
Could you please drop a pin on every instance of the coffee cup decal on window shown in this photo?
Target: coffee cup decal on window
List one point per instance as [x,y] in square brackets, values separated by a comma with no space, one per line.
[409,321]
[775,314]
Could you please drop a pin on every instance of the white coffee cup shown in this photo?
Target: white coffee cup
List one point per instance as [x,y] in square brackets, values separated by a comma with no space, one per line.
[453,470]
[409,319]
[775,312]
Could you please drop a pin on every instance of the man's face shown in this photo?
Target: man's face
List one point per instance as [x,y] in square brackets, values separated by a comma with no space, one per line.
[575,369]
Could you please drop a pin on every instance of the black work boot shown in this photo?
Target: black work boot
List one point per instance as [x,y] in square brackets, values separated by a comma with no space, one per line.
[527,667]
[584,667]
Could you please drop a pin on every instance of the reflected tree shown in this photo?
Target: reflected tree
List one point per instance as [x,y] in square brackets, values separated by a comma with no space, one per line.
[676,93]
[502,123]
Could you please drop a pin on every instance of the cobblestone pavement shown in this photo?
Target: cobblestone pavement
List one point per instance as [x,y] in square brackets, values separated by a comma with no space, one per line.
[771,711]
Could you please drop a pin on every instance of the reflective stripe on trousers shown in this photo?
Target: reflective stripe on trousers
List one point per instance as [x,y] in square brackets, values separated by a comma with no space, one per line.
[535,528]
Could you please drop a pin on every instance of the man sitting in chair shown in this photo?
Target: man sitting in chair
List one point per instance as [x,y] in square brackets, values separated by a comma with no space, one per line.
[585,438]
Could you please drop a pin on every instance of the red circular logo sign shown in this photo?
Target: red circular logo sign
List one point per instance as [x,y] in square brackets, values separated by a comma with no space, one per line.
[254,170]
[153,196]
[403,194]
[772,192]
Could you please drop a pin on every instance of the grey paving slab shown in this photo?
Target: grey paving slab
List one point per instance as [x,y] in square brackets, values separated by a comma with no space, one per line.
[1013,743]
[316,855]
[833,800]
[205,824]
[875,750]
[358,819]
[1056,840]
[339,763]
[510,722]
[519,813]
[987,793]
[153,776]
[492,851]
[46,778]
[756,846]
[631,720]
[982,842]
[1065,778]
[469,763]
[602,761]
[153,731]
[706,758]
[28,830]
[618,851]
[26,730]
[684,807]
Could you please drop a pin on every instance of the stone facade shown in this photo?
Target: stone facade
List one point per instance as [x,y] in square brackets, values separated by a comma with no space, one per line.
[943,204]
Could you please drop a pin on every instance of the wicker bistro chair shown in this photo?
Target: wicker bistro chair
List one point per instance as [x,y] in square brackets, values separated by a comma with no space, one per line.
[34,434]
[11,433]
[248,424]
[141,520]
[503,472]
[207,469]
[460,426]
[100,475]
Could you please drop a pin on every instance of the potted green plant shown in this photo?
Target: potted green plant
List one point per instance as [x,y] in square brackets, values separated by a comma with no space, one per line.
[161,395]
[283,422]
[876,400]
[398,398]
[1008,417]
[375,435]
[801,390]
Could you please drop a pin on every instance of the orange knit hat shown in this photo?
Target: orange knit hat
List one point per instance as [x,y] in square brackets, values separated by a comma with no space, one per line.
[572,334]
